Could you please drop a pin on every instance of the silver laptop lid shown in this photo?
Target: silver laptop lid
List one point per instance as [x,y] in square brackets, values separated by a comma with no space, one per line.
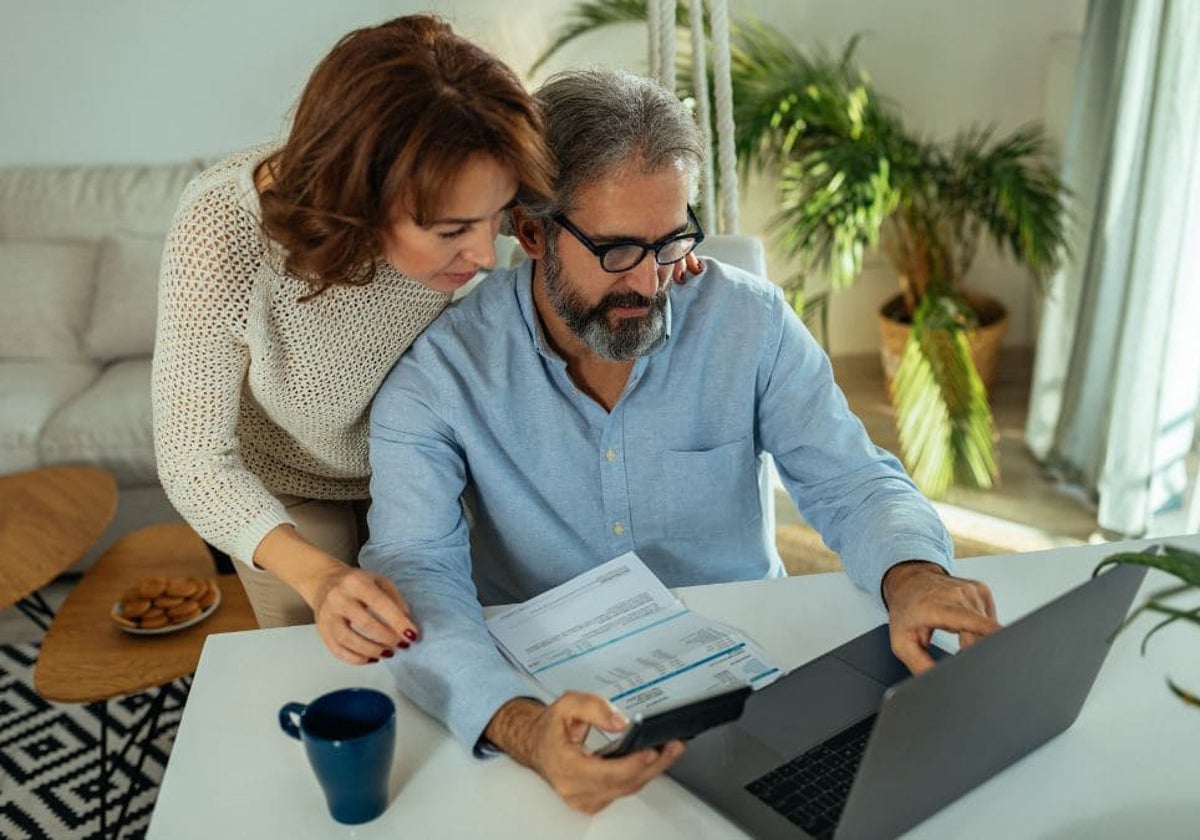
[936,737]
[946,733]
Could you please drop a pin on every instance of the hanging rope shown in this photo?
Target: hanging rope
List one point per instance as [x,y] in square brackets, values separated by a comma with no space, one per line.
[667,42]
[708,192]
[726,154]
[653,37]
[660,16]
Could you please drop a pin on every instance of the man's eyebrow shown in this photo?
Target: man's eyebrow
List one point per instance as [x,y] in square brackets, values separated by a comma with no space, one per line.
[619,237]
[512,202]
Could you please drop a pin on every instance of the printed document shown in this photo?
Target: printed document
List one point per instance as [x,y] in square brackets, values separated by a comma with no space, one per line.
[618,632]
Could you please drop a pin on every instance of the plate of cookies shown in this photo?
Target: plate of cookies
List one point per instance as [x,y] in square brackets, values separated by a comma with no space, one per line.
[160,605]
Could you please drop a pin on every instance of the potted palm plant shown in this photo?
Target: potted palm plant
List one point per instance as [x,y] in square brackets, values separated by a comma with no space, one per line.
[851,176]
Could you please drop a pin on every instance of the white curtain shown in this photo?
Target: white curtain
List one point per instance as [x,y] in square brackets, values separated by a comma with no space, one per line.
[1117,375]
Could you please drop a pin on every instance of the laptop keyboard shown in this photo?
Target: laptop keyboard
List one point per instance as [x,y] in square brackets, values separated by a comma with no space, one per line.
[811,789]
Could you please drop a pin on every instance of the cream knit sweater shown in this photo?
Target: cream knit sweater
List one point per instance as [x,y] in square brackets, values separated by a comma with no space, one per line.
[256,393]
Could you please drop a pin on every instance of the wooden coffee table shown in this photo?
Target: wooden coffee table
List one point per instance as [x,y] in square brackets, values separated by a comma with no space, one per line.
[49,517]
[85,658]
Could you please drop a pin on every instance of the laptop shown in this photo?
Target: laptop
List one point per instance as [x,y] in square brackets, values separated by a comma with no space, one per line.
[849,747]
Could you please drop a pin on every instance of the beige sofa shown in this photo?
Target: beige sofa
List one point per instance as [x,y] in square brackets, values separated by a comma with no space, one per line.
[79,255]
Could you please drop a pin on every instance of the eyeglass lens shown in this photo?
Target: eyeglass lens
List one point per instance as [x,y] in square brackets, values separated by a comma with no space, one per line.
[625,257]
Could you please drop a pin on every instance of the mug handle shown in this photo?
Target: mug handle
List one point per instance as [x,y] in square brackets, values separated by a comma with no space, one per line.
[289,718]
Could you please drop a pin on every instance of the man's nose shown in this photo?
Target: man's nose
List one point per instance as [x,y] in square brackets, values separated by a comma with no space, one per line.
[643,278]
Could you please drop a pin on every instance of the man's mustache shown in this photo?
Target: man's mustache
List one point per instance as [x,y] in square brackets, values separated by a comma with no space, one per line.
[631,300]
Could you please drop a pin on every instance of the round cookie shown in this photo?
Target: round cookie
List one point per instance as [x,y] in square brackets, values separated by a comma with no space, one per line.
[152,588]
[159,602]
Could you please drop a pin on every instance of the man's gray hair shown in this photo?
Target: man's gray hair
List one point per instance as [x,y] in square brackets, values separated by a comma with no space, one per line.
[602,122]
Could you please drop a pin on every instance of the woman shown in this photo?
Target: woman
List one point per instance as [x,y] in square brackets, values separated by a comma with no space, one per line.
[292,280]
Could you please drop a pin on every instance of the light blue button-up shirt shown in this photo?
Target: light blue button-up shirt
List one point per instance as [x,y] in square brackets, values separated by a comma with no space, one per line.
[552,484]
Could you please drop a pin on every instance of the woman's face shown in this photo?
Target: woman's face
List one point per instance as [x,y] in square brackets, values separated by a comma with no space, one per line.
[446,252]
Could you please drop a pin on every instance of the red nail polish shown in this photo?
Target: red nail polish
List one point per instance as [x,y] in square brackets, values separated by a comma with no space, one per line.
[403,645]
[388,654]
[372,661]
[412,636]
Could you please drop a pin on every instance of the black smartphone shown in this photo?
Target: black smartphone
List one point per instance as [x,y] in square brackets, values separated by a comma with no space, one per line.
[682,722]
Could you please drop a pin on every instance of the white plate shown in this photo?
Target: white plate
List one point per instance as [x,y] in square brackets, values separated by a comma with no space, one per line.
[170,628]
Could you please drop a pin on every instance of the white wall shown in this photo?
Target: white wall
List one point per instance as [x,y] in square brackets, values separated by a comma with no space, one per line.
[117,81]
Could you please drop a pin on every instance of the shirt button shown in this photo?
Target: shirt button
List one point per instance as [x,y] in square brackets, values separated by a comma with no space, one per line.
[618,529]
[609,455]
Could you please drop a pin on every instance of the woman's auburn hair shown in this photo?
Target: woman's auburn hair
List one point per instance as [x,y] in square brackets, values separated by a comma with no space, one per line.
[386,122]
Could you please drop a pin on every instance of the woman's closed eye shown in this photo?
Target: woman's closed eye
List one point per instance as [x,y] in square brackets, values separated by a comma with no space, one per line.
[454,233]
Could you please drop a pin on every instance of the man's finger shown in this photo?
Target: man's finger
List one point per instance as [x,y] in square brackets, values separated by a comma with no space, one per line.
[989,602]
[965,620]
[912,653]
[663,758]
[951,616]
[965,640]
[590,709]
[631,772]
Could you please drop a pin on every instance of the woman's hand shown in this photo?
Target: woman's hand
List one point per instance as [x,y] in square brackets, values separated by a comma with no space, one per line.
[689,266]
[361,616]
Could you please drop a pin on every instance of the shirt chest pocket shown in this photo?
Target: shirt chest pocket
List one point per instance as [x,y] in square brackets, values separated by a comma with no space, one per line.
[710,493]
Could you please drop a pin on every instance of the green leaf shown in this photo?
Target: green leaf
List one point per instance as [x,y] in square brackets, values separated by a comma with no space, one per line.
[589,16]
[1172,614]
[1184,565]
[943,417]
[1179,562]
[1186,696]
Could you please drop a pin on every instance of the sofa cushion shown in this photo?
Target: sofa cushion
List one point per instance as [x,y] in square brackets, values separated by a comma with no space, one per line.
[109,425]
[32,393]
[88,201]
[125,303]
[46,288]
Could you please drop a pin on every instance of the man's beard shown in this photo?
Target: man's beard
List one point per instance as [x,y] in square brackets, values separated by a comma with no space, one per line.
[632,337]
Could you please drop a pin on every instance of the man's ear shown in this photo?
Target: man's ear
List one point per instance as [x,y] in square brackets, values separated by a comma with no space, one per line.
[530,233]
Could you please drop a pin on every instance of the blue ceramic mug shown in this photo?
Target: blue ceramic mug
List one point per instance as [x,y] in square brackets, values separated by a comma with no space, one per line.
[350,736]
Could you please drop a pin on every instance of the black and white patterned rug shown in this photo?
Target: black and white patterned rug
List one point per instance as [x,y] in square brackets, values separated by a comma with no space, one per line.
[50,758]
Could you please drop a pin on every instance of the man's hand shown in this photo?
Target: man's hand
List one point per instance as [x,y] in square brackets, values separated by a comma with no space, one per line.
[549,739]
[922,598]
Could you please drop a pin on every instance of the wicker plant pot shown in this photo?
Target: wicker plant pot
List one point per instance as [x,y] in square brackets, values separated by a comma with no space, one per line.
[984,342]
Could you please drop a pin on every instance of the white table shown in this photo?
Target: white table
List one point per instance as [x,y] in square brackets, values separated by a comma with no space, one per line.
[1129,767]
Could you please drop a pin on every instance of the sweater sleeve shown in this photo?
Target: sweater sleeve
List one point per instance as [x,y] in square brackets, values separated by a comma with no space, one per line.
[200,361]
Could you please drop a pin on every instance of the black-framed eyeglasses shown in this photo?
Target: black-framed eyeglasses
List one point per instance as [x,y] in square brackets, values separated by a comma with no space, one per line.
[625,254]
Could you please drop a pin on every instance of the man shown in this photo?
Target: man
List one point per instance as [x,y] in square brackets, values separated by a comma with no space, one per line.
[583,405]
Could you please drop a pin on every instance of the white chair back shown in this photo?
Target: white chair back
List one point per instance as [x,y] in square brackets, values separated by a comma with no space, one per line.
[744,252]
